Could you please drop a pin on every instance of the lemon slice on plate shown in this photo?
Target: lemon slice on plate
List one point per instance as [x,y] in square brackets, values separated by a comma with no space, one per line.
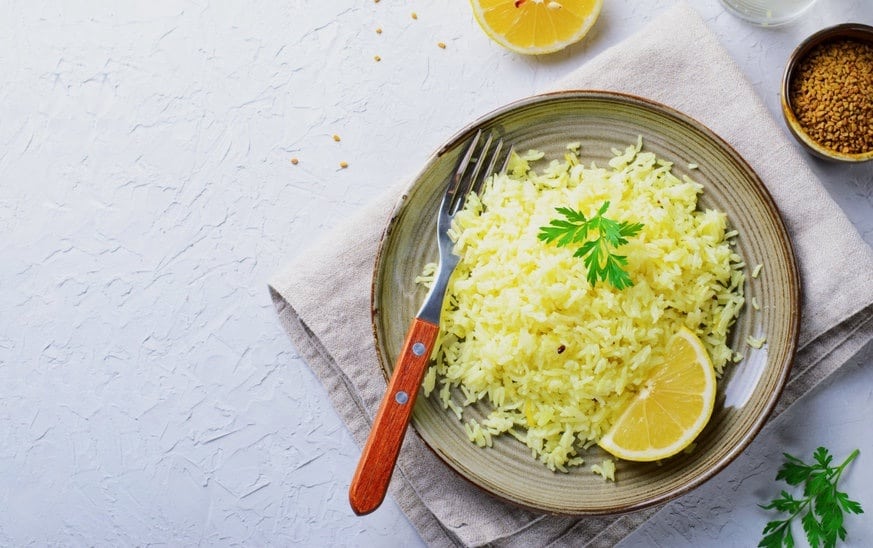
[672,407]
[536,26]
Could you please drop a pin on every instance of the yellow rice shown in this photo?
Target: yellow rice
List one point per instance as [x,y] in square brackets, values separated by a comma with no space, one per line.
[549,359]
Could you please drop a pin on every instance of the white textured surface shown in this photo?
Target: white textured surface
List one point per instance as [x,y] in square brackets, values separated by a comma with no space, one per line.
[147,393]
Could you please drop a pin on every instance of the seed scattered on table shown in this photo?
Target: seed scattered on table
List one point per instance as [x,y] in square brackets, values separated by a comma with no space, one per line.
[414,15]
[344,165]
[379,30]
[377,58]
[442,45]
[336,138]
[295,161]
[832,95]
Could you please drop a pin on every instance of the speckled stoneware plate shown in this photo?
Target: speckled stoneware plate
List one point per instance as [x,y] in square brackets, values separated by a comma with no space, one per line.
[602,121]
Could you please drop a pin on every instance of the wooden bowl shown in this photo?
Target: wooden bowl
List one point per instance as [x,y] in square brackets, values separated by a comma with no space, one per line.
[747,393]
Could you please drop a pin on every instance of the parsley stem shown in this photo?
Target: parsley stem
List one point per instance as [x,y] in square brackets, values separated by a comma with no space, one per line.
[806,502]
[846,462]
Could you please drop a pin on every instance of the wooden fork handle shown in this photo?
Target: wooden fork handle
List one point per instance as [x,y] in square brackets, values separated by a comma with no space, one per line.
[370,482]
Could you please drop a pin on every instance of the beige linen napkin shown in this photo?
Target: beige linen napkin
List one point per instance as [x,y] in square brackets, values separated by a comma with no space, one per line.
[676,61]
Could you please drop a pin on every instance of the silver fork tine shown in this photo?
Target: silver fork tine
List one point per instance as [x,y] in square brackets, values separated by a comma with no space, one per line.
[479,181]
[506,161]
[452,196]
[461,196]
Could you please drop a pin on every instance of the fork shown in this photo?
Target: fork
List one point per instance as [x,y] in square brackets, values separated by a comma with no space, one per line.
[373,474]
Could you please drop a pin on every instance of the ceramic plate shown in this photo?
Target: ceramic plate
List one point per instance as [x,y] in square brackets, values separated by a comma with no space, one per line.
[601,121]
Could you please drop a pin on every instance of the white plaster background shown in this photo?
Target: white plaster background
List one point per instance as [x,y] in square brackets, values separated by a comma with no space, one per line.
[147,392]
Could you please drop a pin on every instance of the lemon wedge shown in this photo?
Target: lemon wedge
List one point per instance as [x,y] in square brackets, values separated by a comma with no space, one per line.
[671,409]
[536,26]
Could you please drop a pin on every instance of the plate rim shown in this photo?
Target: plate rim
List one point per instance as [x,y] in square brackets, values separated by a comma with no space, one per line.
[794,282]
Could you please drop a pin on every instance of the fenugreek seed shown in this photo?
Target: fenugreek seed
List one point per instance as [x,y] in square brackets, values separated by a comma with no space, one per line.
[377,58]
[336,138]
[441,45]
[344,165]
[414,15]
[379,30]
[295,161]
[832,95]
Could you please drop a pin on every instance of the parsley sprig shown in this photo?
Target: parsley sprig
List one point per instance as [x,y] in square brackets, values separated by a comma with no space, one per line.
[823,503]
[601,262]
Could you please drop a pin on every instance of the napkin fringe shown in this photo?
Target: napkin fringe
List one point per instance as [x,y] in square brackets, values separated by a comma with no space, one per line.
[614,532]
[531,532]
[308,344]
[824,355]
[340,391]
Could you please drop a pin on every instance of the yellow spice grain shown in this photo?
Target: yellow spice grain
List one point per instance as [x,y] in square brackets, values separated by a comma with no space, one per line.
[295,161]
[344,165]
[336,138]
[442,45]
[377,58]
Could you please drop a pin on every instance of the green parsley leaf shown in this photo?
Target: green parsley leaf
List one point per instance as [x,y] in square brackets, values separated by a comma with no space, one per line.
[822,504]
[784,503]
[794,471]
[776,535]
[608,234]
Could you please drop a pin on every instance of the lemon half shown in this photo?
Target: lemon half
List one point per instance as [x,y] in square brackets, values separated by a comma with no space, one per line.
[671,409]
[535,27]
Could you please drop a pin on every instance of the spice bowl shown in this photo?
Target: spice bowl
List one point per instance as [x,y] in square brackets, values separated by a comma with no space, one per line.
[827,93]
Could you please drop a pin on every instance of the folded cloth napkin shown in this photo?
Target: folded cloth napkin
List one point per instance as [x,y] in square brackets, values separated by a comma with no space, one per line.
[676,61]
